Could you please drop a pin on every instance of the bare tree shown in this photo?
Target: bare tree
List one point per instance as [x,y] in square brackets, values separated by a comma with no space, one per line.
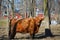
[0,8]
[0,4]
[47,18]
[58,11]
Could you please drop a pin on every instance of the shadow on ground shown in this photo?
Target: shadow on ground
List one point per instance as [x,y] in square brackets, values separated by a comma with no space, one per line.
[37,36]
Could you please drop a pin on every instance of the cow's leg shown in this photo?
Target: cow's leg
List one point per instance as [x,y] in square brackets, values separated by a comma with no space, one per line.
[9,29]
[32,34]
[12,33]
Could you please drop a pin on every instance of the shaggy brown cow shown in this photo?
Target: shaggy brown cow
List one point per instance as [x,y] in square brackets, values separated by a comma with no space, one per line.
[26,25]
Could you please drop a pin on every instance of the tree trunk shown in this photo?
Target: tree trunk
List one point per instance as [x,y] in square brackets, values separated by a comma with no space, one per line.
[59,11]
[32,8]
[46,12]
[0,9]
[12,4]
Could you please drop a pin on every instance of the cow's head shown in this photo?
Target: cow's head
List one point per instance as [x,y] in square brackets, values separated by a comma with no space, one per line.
[38,19]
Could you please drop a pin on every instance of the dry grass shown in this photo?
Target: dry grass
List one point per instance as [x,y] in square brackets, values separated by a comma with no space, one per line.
[3,22]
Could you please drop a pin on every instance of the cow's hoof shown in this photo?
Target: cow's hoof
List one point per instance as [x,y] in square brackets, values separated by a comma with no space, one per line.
[11,36]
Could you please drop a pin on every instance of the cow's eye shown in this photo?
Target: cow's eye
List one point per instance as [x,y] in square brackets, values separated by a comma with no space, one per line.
[37,23]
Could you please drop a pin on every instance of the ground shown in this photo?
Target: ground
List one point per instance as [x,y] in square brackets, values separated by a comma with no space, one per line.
[55,29]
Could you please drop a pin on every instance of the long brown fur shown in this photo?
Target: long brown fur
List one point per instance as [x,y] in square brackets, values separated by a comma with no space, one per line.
[27,25]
